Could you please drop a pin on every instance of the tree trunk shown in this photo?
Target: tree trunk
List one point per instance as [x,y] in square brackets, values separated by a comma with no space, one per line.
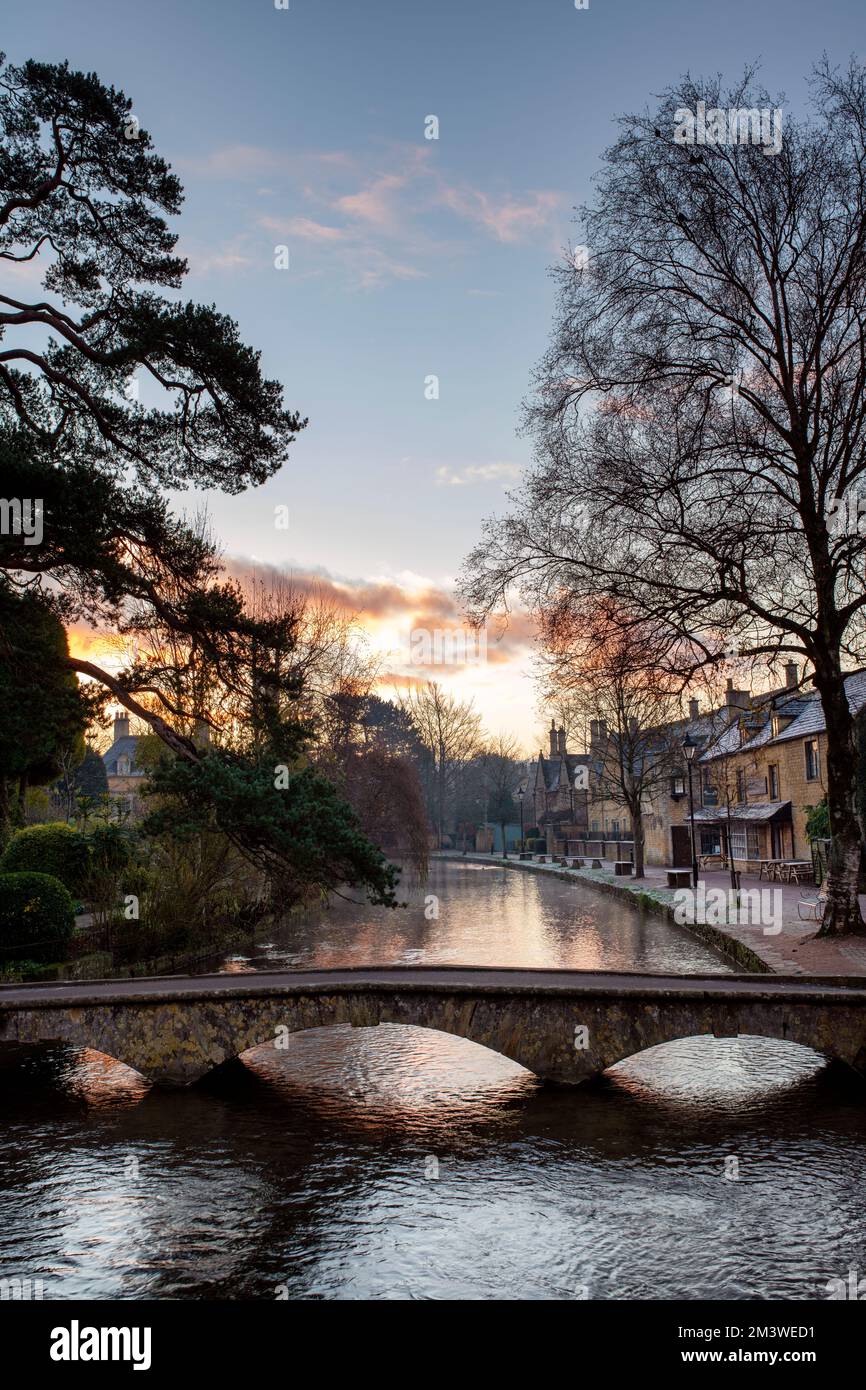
[19,814]
[842,916]
[5,818]
[637,832]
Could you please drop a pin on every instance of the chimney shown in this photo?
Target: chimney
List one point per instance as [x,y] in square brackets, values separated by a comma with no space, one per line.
[121,727]
[736,699]
[792,674]
[694,709]
[602,731]
[560,741]
[553,738]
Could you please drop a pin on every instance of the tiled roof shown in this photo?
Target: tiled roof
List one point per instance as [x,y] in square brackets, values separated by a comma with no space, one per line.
[122,748]
[810,720]
[552,767]
[759,718]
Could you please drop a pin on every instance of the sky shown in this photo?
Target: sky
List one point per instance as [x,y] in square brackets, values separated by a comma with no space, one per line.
[409,258]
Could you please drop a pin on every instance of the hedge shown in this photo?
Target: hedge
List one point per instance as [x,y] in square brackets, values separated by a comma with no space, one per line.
[37,917]
[56,849]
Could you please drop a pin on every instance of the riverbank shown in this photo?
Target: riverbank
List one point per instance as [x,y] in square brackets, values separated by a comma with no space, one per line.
[792,950]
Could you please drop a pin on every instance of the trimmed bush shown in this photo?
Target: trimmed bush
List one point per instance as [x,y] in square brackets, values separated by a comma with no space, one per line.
[37,918]
[536,846]
[56,849]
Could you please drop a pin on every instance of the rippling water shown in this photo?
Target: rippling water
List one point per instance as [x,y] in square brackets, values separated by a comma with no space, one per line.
[399,1163]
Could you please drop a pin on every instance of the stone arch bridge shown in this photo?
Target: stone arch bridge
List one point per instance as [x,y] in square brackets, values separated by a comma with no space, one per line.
[566,1026]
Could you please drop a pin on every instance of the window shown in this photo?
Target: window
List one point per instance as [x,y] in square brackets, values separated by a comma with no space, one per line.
[744,841]
[123,767]
[813,765]
[773,777]
[711,842]
[594,826]
[741,786]
[678,786]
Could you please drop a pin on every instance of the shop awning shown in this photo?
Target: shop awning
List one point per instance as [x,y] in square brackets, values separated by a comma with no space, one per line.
[762,812]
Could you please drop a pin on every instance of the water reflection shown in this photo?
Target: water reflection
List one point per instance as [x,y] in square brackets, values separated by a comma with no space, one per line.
[473,914]
[400,1163]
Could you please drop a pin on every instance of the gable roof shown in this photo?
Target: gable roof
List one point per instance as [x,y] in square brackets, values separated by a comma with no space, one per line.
[124,747]
[551,768]
[810,720]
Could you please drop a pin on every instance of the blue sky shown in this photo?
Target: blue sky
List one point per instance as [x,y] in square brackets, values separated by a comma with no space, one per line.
[408,257]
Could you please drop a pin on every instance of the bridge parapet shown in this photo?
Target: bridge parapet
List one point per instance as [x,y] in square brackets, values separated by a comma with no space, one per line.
[565,1026]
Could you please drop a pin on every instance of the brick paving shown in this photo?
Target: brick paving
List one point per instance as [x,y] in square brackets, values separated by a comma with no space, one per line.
[795,950]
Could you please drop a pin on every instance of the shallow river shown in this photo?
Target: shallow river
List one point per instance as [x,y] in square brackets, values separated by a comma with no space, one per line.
[399,1163]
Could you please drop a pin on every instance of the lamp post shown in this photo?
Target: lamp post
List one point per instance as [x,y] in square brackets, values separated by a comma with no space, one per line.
[690,748]
[520,792]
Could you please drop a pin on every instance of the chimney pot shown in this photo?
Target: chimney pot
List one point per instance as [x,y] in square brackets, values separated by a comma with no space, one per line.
[121,726]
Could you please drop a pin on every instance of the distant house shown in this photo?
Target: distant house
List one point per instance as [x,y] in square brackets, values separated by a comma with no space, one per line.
[124,776]
[558,805]
[760,780]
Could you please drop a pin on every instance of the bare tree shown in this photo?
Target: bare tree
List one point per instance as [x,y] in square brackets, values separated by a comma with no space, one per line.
[594,669]
[501,772]
[450,730]
[701,412]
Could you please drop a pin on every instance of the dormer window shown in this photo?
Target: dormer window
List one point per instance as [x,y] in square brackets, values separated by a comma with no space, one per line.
[123,767]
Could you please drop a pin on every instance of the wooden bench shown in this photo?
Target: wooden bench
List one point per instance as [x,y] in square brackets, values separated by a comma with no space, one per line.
[772,867]
[797,871]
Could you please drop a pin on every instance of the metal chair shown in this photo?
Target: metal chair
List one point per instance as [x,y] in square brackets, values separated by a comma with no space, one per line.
[812,909]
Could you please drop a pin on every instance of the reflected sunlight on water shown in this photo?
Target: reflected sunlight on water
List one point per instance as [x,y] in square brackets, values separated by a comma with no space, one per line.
[399,1163]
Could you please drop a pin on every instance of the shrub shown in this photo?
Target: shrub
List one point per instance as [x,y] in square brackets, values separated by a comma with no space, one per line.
[536,846]
[56,849]
[37,917]
[110,855]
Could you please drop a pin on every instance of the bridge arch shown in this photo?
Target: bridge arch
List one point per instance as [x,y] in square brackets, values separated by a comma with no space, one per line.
[563,1026]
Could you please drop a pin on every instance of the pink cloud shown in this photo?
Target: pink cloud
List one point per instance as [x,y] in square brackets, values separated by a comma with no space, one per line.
[305,228]
[507,219]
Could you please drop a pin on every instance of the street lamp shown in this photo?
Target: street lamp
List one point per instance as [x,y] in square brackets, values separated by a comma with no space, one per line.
[520,792]
[690,748]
